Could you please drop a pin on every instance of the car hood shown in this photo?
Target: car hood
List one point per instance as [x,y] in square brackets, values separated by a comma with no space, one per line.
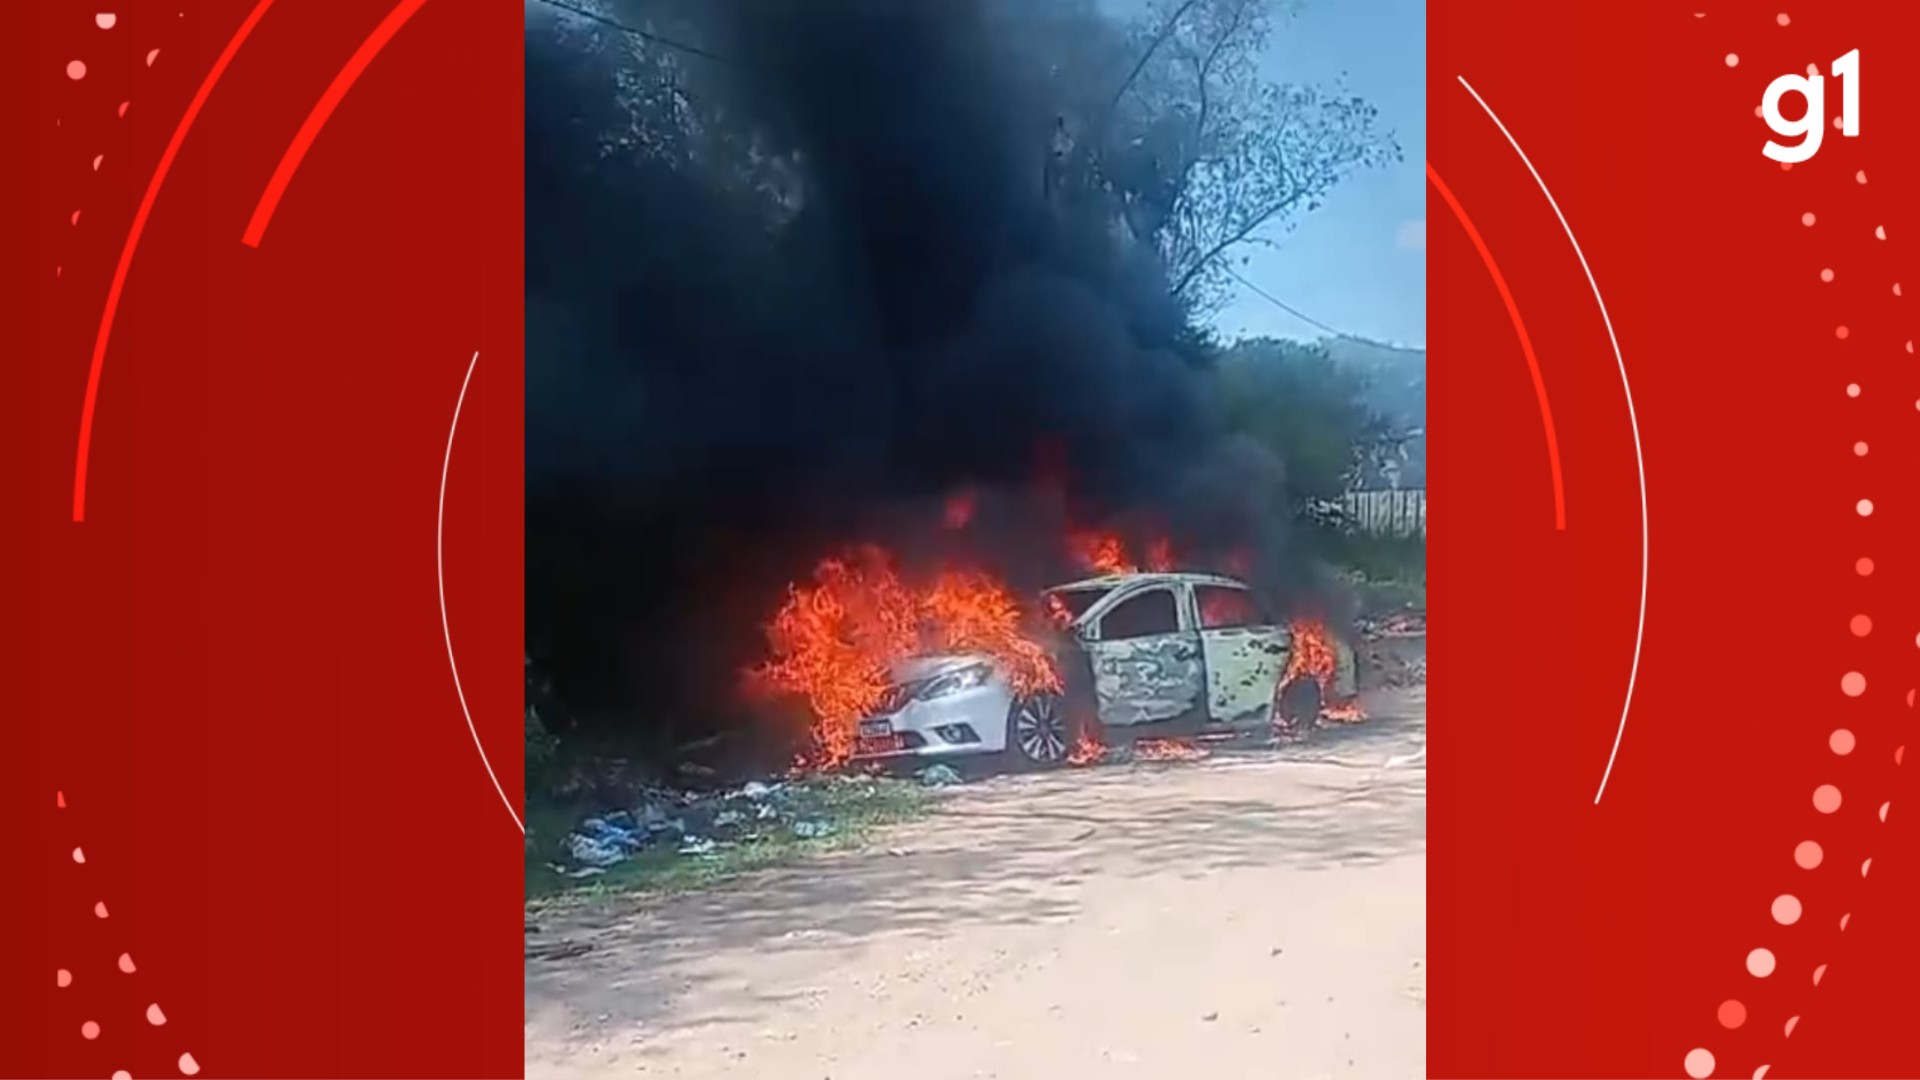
[917,668]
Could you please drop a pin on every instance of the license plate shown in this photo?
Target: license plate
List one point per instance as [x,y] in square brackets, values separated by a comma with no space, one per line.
[880,744]
[875,729]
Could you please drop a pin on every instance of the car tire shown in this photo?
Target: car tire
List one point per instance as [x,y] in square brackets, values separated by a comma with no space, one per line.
[1298,706]
[1039,735]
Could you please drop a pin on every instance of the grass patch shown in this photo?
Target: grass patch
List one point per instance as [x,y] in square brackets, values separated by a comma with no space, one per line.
[1388,573]
[853,808]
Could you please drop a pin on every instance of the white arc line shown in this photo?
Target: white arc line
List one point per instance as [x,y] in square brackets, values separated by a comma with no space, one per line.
[1639,461]
[440,568]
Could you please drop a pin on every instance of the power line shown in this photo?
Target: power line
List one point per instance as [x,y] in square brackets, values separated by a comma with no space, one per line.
[644,35]
[1290,309]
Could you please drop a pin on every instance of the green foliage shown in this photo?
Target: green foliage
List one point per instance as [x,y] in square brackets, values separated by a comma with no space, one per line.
[1305,407]
[1387,573]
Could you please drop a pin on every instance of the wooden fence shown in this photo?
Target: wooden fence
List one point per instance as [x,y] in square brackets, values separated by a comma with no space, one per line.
[1390,513]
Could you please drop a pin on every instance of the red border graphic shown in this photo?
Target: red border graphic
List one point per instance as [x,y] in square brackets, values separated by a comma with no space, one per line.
[1734,905]
[1519,332]
[254,839]
[322,112]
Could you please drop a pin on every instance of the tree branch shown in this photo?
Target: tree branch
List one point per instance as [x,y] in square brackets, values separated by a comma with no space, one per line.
[1205,68]
[1235,237]
[1202,71]
[1159,39]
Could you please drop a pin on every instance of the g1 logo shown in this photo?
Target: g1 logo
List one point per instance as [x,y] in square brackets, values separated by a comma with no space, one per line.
[1812,125]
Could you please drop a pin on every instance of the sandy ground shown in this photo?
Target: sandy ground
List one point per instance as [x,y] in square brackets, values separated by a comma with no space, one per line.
[1246,916]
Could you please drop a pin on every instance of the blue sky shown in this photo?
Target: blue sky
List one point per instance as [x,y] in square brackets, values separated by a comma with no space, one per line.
[1359,263]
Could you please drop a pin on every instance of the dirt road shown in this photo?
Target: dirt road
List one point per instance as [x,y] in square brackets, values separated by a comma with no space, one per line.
[1245,916]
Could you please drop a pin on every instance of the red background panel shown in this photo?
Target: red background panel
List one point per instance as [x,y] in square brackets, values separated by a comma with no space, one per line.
[1575,939]
[234,671]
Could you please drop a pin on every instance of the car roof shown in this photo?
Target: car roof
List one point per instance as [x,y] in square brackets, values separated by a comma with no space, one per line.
[1114,581]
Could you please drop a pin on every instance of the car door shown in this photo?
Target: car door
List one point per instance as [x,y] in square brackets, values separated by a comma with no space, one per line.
[1145,654]
[1245,652]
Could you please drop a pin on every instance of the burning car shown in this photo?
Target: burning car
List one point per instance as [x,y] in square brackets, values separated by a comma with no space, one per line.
[1144,655]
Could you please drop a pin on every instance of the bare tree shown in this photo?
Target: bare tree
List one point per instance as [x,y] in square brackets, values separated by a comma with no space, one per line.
[1207,156]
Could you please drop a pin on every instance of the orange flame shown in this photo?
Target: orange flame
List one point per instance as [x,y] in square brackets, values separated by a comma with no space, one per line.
[1057,611]
[969,612]
[1167,750]
[835,642]
[1103,553]
[1313,656]
[1106,553]
[1088,747]
[1346,712]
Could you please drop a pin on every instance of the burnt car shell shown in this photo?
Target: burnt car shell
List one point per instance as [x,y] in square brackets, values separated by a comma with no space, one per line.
[1165,655]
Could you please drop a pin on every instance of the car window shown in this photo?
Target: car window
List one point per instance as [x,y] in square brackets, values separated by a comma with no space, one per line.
[1223,608]
[1066,605]
[1150,612]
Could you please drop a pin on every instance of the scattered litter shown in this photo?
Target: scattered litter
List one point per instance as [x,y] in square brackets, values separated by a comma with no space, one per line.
[1211,1017]
[586,871]
[592,853]
[939,776]
[669,821]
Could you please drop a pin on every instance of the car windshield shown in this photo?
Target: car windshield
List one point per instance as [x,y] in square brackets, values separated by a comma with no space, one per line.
[1067,605]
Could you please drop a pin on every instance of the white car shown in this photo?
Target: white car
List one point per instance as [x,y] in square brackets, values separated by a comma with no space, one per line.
[1154,655]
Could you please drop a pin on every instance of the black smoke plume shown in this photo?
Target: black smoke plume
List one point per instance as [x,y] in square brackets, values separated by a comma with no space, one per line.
[724,385]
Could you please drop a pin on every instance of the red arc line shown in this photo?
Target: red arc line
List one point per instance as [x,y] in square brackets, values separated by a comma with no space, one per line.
[1526,344]
[133,242]
[322,112]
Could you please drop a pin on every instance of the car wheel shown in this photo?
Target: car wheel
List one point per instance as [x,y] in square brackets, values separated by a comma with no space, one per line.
[1038,735]
[1299,706]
